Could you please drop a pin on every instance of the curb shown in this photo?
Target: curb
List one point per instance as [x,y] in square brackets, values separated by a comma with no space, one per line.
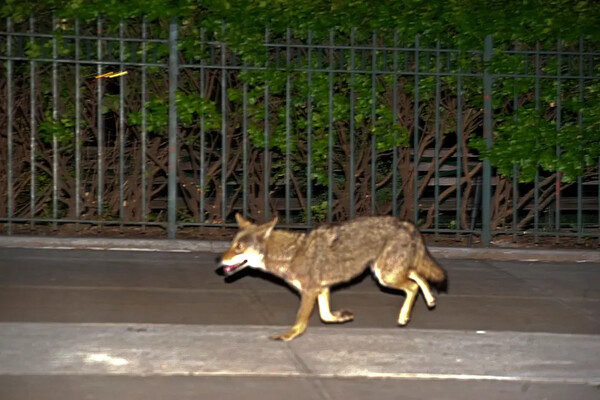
[114,244]
[218,246]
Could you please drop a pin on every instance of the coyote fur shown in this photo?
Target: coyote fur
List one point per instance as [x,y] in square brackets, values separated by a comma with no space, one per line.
[332,254]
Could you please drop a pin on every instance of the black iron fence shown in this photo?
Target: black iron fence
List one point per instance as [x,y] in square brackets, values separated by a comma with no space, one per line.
[135,126]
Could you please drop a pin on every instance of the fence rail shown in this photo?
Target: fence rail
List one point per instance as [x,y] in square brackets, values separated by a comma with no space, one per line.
[309,129]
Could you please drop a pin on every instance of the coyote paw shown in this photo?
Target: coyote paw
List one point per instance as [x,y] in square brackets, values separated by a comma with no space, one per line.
[342,316]
[337,317]
[431,303]
[289,335]
[402,321]
[285,337]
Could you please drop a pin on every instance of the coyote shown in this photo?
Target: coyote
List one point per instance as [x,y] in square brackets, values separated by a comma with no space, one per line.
[332,254]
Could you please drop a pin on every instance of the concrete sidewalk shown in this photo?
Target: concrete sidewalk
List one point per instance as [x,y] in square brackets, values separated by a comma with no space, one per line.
[176,329]
[201,350]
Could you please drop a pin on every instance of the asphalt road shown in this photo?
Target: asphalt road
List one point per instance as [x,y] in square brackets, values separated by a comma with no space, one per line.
[90,324]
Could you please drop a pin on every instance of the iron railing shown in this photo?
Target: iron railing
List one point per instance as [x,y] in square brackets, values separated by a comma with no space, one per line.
[310,129]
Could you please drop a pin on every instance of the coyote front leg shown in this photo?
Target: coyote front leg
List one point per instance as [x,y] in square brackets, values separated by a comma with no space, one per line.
[325,310]
[307,303]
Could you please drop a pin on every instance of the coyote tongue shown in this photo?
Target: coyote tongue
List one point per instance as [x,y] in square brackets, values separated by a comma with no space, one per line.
[230,268]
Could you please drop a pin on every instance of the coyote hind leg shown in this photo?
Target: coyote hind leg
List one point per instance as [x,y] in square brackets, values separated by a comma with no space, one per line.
[325,311]
[429,299]
[411,289]
[390,269]
[405,284]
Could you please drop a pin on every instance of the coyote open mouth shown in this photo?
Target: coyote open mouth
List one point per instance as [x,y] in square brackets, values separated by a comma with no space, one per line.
[229,269]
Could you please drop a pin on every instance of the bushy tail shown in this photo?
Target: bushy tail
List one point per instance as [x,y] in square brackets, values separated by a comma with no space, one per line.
[429,269]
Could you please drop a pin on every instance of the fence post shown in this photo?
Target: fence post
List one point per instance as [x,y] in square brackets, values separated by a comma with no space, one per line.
[172,178]
[9,127]
[486,202]
[55,114]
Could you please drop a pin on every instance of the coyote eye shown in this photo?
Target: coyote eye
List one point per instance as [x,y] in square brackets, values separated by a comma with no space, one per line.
[239,246]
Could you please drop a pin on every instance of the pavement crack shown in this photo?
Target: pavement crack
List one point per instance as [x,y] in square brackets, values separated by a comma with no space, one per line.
[294,357]
[306,371]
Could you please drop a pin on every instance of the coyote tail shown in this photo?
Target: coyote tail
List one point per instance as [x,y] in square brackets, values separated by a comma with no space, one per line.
[430,269]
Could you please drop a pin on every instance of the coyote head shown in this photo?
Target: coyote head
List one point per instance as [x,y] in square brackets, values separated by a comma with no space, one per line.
[248,248]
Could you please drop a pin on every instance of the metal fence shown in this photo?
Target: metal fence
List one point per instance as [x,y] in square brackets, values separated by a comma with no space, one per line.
[135,126]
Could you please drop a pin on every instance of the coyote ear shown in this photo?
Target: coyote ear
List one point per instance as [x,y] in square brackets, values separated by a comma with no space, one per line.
[242,222]
[267,228]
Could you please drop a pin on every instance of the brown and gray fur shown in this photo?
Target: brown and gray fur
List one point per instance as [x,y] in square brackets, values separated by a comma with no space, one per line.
[313,262]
